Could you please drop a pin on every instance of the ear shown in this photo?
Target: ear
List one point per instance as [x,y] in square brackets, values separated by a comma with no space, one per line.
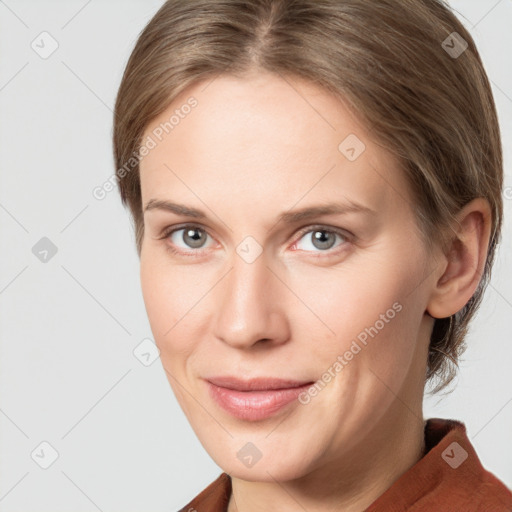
[464,260]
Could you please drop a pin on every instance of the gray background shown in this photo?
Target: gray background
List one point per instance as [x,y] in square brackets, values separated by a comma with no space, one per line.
[68,375]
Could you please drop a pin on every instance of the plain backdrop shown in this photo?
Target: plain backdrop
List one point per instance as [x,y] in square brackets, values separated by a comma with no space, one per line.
[73,395]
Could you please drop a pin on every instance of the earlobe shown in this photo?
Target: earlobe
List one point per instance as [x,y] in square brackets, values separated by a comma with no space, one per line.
[464,260]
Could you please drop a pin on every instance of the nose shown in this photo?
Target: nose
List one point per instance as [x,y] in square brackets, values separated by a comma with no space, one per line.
[250,306]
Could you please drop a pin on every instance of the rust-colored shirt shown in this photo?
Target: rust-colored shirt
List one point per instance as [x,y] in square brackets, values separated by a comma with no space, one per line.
[448,478]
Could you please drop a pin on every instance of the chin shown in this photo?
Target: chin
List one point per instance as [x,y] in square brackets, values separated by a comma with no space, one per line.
[269,471]
[270,467]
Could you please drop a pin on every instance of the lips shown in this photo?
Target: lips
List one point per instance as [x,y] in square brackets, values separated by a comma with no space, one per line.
[255,399]
[256,384]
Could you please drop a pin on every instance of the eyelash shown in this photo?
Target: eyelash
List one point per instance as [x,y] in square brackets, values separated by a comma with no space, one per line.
[348,237]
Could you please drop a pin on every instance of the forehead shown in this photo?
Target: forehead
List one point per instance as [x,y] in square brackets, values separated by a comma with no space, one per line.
[268,138]
[267,108]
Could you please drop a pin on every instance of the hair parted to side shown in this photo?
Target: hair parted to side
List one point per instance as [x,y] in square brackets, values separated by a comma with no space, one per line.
[385,59]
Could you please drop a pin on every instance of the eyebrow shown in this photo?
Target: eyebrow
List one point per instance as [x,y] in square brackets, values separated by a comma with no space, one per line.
[286,217]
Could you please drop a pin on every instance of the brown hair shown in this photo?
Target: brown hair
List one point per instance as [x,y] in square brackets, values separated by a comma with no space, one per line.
[397,63]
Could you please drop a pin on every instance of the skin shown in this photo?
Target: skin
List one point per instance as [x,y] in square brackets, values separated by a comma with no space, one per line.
[252,149]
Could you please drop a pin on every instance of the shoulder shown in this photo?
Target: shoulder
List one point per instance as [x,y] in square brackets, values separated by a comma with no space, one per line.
[490,493]
[449,476]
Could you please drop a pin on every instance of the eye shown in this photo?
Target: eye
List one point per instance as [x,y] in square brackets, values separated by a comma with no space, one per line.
[186,238]
[320,238]
[189,239]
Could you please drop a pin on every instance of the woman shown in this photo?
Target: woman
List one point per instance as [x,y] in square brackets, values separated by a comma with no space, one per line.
[315,187]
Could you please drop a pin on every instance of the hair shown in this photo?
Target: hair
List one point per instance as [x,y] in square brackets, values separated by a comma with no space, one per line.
[389,60]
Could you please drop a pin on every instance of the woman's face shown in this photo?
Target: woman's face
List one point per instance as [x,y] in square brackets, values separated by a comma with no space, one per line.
[255,286]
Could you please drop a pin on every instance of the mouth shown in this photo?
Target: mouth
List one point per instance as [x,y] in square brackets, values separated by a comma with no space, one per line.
[255,399]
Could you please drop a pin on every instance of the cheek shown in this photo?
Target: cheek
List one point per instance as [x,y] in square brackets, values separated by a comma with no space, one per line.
[173,296]
[345,301]
[158,303]
[163,297]
[389,302]
[369,309]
